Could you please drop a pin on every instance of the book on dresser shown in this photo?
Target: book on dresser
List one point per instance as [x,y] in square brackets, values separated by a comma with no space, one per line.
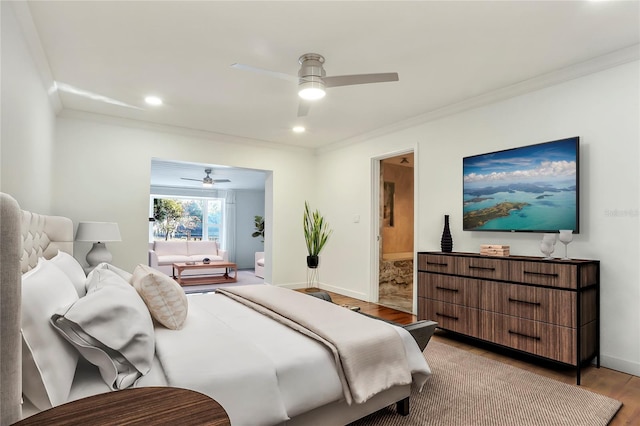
[494,250]
[545,308]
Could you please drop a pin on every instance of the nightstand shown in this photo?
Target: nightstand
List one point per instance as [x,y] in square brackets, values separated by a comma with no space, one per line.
[140,406]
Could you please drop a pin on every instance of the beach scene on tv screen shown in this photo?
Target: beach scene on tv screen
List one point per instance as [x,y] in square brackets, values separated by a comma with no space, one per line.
[533,188]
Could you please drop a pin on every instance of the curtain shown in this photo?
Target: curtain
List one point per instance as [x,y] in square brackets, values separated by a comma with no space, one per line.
[229,239]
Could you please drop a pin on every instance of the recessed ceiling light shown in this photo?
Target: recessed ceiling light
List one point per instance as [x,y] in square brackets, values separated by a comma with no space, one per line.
[153,100]
[298,129]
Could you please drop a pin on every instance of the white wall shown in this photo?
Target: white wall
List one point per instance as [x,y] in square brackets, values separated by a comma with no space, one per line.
[28,122]
[102,172]
[248,205]
[602,108]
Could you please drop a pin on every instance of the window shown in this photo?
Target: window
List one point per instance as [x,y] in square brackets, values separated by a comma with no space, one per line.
[188,218]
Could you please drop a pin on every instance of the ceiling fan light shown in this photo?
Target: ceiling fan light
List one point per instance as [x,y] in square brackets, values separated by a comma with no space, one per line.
[207,184]
[153,100]
[311,90]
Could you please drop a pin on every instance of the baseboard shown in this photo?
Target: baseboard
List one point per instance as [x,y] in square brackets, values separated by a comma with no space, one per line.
[292,286]
[623,365]
[344,291]
[327,287]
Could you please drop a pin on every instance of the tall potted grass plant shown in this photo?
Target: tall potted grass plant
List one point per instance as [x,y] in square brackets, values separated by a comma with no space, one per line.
[316,234]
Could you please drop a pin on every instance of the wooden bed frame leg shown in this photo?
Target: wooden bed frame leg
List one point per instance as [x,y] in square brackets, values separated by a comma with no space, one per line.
[402,406]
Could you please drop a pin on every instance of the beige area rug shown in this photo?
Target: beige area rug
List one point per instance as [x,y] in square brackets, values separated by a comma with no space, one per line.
[467,389]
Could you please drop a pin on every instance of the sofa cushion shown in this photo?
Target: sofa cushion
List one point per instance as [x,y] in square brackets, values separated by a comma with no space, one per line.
[163,248]
[202,247]
[168,259]
[199,257]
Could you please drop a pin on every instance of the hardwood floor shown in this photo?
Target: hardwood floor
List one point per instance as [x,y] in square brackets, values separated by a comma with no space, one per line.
[621,386]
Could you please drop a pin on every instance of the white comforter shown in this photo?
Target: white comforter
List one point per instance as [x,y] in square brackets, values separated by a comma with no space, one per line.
[260,371]
[369,355]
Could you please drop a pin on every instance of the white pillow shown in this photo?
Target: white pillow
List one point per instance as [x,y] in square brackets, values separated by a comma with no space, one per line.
[164,297]
[48,361]
[111,327]
[121,272]
[70,266]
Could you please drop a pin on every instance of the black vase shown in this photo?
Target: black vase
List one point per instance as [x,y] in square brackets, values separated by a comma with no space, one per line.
[446,243]
[312,261]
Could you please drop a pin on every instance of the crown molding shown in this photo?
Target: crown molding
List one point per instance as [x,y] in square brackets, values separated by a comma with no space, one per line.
[591,66]
[181,131]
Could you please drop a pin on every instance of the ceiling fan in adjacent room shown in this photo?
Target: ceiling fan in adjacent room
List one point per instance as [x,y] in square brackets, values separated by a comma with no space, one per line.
[312,80]
[208,181]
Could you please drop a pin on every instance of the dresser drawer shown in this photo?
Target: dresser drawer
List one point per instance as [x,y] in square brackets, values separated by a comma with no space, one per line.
[451,317]
[496,269]
[535,303]
[547,340]
[436,263]
[544,273]
[450,289]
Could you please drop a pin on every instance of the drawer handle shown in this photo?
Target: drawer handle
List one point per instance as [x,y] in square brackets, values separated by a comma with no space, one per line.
[524,301]
[524,335]
[455,290]
[438,314]
[436,264]
[484,268]
[544,274]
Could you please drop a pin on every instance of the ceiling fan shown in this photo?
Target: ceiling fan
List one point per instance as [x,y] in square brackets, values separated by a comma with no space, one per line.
[312,80]
[208,181]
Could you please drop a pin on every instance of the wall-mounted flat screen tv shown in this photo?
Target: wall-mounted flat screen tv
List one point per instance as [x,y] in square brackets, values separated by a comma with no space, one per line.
[528,189]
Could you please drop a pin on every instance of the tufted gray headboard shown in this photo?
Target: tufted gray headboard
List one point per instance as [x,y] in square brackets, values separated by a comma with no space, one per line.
[43,236]
[24,237]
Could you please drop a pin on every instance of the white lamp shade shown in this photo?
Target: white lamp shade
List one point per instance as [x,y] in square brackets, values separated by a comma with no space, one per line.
[98,232]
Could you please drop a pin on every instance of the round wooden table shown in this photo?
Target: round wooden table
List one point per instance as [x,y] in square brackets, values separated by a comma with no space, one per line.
[139,406]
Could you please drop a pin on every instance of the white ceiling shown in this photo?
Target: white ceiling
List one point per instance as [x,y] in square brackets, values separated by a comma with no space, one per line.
[446,52]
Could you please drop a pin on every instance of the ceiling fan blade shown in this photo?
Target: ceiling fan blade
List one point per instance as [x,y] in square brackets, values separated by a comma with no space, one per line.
[270,73]
[221,180]
[303,108]
[197,180]
[348,80]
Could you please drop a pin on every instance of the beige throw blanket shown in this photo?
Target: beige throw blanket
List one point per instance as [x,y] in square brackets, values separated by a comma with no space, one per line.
[370,356]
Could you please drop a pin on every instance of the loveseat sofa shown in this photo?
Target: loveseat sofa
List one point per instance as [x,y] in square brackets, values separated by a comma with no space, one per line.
[162,254]
[259,264]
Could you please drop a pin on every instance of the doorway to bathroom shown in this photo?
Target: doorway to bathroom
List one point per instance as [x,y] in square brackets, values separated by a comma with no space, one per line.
[396,231]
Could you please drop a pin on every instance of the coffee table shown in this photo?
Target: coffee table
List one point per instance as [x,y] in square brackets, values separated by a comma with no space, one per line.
[206,277]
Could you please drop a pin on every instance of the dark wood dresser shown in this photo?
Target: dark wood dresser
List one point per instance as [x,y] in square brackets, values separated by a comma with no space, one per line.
[546,308]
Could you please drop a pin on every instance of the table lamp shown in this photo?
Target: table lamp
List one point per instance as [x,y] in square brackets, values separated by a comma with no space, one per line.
[98,233]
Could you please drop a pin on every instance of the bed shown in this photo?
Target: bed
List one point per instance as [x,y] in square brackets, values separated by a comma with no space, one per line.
[263,367]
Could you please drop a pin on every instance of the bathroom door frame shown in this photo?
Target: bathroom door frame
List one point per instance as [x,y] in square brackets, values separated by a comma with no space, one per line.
[374,273]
